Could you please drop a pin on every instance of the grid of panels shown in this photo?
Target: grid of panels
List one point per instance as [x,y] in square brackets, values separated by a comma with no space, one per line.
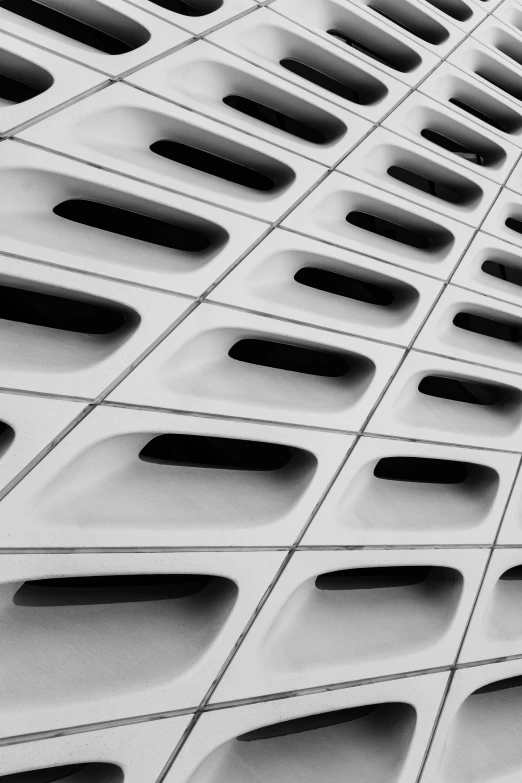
[260,391]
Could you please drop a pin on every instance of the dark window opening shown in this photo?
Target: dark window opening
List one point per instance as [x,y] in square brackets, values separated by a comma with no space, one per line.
[343,285]
[216,165]
[7,436]
[57,312]
[511,274]
[377,578]
[91,590]
[71,773]
[218,453]
[459,390]
[15,90]
[276,118]
[455,147]
[512,575]
[189,9]
[453,8]
[130,37]
[308,723]
[514,224]
[21,80]
[394,231]
[357,92]
[488,327]
[291,358]
[134,225]
[502,84]
[500,685]
[424,28]
[480,115]
[403,59]
[428,185]
[421,470]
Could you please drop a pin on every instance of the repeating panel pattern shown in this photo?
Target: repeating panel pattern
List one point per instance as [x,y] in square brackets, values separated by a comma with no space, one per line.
[260,391]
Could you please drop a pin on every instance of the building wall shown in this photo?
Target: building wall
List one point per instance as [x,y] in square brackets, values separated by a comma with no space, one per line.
[260,391]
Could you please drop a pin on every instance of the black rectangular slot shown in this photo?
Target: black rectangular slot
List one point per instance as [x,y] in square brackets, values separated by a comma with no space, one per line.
[397,232]
[399,58]
[216,165]
[57,312]
[460,390]
[456,9]
[514,224]
[376,578]
[415,22]
[433,187]
[308,723]
[21,80]
[497,80]
[66,24]
[500,685]
[343,285]
[16,91]
[7,436]
[421,470]
[94,590]
[511,274]
[131,224]
[71,773]
[277,119]
[184,8]
[495,122]
[363,94]
[456,148]
[201,451]
[488,327]
[512,574]
[292,358]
